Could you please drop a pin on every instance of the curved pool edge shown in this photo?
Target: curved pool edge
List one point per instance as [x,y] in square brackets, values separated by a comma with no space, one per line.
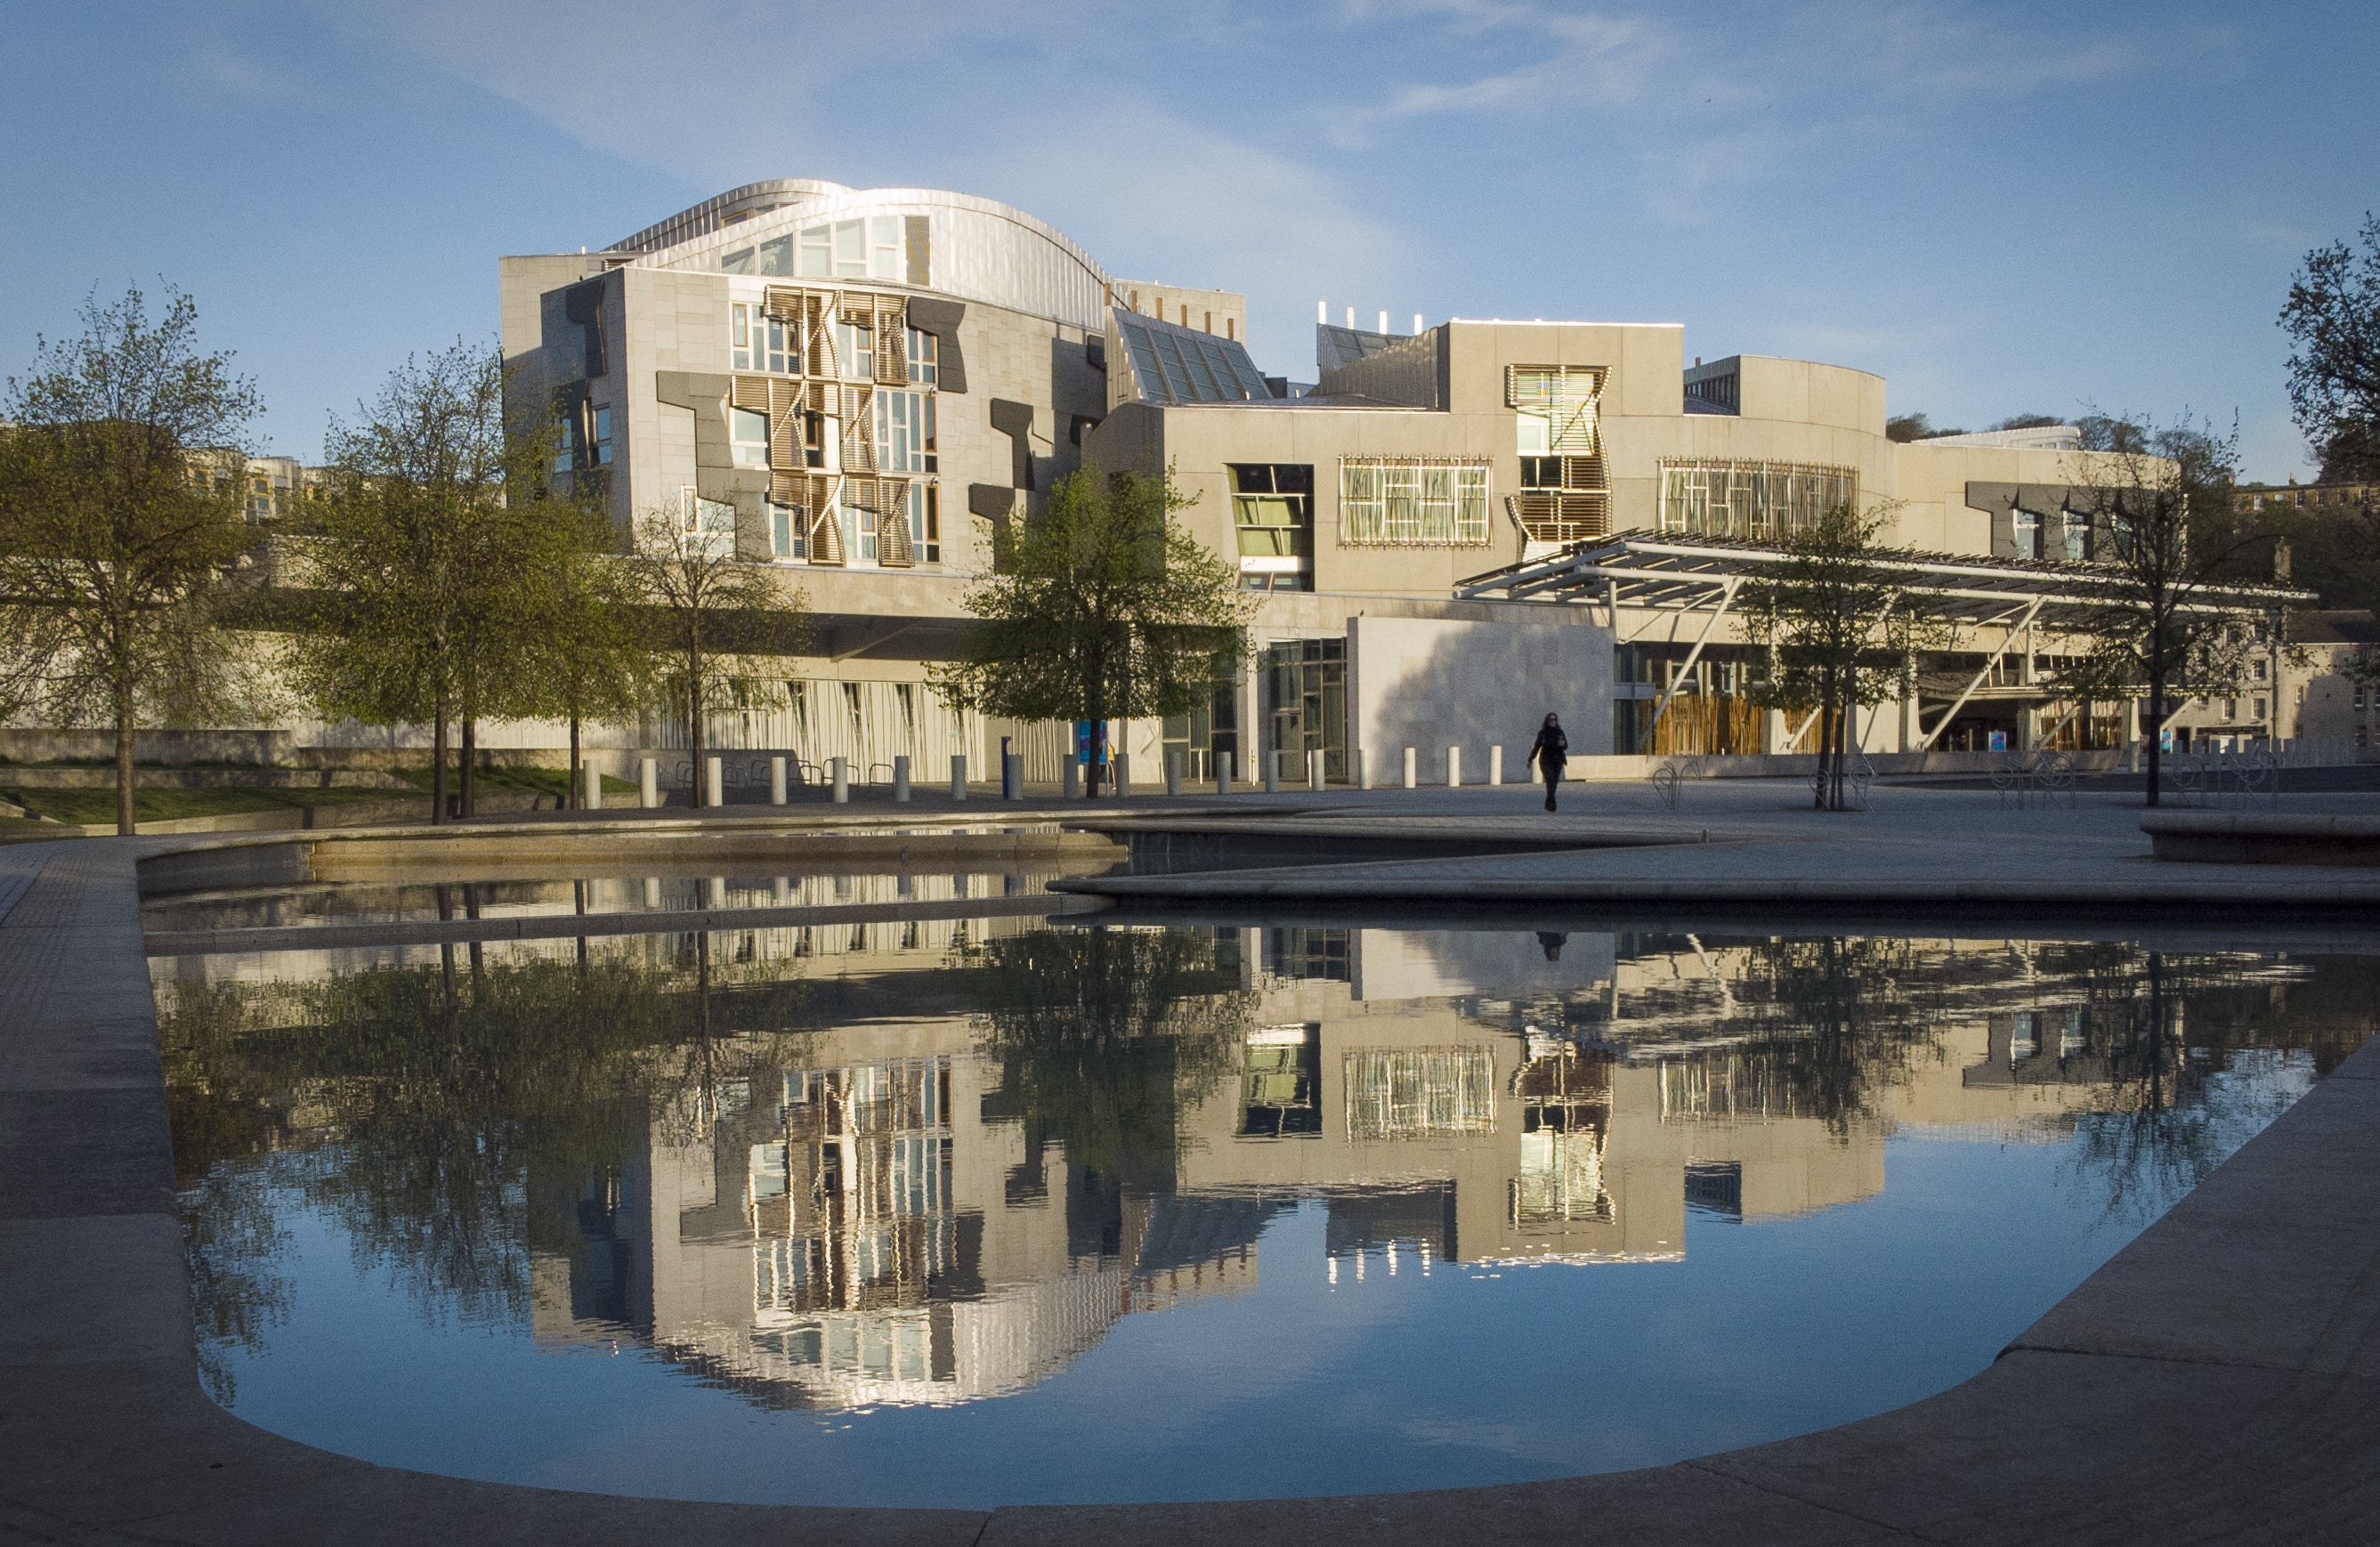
[2218,1378]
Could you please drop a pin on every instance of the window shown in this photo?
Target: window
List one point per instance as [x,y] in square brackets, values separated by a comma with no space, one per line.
[602,438]
[869,248]
[787,538]
[747,432]
[1762,501]
[925,358]
[2260,709]
[926,523]
[857,342]
[905,432]
[710,525]
[2028,533]
[756,341]
[1413,501]
[565,441]
[1541,473]
[1272,509]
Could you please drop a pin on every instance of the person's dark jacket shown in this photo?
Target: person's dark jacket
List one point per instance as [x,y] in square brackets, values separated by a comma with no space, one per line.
[1549,751]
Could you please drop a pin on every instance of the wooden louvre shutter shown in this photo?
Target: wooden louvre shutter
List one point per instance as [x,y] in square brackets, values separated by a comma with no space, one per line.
[825,532]
[892,334]
[894,549]
[858,429]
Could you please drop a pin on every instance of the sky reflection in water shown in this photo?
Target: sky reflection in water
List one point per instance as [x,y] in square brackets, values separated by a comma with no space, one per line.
[981,1212]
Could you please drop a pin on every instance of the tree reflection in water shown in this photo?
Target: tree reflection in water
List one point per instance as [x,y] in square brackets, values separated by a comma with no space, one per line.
[438,1084]
[1103,1035]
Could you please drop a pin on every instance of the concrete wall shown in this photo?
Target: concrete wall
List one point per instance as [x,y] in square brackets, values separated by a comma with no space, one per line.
[1429,683]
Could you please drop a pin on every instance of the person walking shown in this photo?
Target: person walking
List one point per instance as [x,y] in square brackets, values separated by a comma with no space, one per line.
[1550,751]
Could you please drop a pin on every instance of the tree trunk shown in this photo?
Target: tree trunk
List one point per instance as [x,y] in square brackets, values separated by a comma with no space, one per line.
[2155,731]
[438,763]
[470,766]
[696,793]
[123,826]
[570,780]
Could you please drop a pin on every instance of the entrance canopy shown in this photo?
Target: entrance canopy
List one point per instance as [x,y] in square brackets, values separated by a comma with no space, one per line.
[1682,572]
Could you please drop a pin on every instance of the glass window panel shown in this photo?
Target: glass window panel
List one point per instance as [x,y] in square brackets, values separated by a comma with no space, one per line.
[1177,376]
[777,255]
[739,341]
[737,262]
[884,247]
[850,249]
[818,252]
[749,434]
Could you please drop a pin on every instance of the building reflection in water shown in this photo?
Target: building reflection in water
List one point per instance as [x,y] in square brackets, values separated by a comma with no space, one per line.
[997,1149]
[894,1220]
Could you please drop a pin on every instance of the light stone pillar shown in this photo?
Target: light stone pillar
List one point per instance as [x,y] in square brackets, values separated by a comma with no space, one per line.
[1454,768]
[1496,764]
[839,770]
[592,778]
[714,781]
[1413,769]
[1172,772]
[649,783]
[1223,772]
[776,781]
[958,776]
[901,779]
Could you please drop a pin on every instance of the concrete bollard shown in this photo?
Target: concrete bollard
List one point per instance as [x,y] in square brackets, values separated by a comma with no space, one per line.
[1120,781]
[1363,768]
[839,769]
[714,891]
[652,888]
[1496,764]
[1413,769]
[1454,768]
[1012,776]
[958,776]
[649,783]
[593,779]
[776,781]
[1223,772]
[1272,772]
[1172,773]
[714,781]
[901,780]
[781,891]
[1070,778]
[1314,768]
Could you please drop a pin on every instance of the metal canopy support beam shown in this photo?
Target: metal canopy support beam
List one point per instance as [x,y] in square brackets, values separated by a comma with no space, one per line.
[1661,706]
[1925,743]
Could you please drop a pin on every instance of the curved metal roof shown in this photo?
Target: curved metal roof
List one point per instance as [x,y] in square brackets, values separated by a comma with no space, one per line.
[984,251]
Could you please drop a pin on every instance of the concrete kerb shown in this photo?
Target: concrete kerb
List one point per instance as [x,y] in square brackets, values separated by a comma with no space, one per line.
[2212,1434]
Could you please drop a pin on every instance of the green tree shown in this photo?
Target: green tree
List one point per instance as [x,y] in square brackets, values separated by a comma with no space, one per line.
[434,540]
[1841,623]
[1105,608]
[590,658]
[122,487]
[705,614]
[2332,317]
[2174,612]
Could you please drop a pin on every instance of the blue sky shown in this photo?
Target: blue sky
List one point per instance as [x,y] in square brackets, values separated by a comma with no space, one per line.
[2001,208]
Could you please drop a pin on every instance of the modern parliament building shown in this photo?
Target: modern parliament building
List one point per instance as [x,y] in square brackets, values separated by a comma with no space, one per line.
[1450,530]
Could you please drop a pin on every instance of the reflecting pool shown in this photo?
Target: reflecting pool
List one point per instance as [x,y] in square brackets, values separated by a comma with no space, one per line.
[975,1212]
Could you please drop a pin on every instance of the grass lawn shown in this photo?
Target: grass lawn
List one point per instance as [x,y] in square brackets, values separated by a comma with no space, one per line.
[89,806]
[535,781]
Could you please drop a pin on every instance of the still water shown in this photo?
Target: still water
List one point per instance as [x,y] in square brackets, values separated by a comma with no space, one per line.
[987,1212]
